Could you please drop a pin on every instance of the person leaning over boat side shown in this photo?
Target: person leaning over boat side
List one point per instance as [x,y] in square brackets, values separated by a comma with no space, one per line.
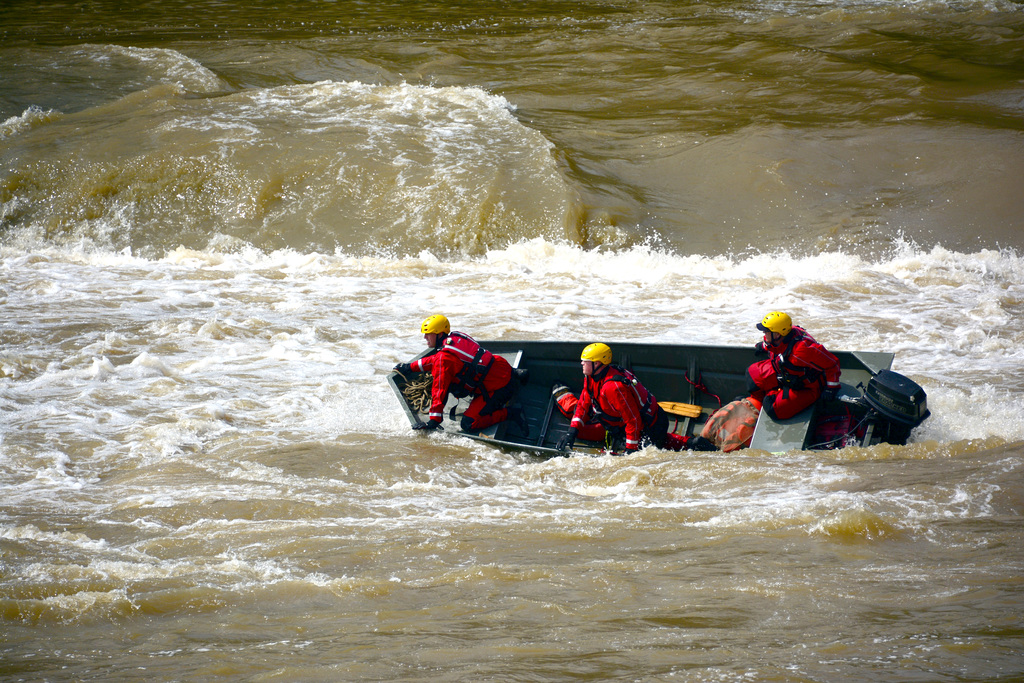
[613,400]
[796,373]
[462,367]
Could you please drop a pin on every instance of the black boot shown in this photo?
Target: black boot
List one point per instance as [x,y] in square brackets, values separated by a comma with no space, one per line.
[699,443]
[558,390]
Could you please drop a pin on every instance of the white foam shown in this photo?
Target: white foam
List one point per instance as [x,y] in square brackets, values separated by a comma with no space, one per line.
[30,118]
[166,65]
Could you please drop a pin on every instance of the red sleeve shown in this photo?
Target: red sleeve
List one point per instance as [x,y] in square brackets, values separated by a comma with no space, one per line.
[622,400]
[443,366]
[579,417]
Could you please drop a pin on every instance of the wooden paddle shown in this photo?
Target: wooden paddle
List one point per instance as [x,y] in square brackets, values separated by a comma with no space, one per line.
[682,409]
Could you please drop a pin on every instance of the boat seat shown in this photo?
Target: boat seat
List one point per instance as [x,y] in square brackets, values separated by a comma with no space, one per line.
[780,436]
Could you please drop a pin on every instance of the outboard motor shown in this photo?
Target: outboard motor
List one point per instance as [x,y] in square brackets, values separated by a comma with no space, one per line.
[900,401]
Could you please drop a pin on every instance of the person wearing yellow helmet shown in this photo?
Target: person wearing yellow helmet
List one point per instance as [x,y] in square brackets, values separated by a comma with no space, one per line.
[797,372]
[461,367]
[613,401]
[777,324]
[598,353]
[436,325]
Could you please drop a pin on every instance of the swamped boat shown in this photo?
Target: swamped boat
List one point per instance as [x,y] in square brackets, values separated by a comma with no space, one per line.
[874,405]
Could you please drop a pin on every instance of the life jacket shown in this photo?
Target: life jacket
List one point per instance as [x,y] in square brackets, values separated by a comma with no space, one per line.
[476,363]
[788,373]
[648,404]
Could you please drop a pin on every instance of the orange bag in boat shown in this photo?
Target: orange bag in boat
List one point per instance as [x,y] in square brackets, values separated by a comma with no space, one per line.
[732,426]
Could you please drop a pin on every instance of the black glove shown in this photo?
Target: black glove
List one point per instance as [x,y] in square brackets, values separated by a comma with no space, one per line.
[404,368]
[429,425]
[790,381]
[568,440]
[830,393]
[759,349]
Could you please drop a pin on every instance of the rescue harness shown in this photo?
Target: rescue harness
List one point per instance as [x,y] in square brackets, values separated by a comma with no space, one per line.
[790,375]
[647,401]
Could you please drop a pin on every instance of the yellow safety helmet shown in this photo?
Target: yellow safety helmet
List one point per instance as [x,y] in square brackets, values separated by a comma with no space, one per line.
[599,353]
[435,324]
[777,322]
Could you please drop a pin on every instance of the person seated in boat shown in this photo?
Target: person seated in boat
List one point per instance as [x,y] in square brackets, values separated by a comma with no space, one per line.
[462,367]
[613,401]
[797,372]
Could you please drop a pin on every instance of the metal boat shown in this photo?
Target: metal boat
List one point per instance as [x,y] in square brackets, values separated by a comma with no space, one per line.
[874,405]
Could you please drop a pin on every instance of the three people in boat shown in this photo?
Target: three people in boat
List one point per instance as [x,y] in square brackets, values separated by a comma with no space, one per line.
[614,403]
[462,367]
[796,373]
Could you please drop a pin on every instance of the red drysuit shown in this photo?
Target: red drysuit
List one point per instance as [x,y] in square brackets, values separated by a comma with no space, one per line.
[463,367]
[795,374]
[618,402]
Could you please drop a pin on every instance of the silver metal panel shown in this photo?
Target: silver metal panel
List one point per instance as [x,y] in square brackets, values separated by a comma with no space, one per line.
[779,436]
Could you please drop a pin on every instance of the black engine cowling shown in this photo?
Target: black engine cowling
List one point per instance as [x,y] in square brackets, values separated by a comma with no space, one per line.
[899,400]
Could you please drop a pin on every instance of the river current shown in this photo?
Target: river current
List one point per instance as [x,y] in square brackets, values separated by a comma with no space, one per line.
[221,224]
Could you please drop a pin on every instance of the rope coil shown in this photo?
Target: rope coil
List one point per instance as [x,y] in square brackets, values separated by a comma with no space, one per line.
[417,392]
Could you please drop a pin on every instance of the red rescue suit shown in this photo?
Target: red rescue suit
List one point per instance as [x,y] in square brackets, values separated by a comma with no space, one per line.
[794,375]
[463,368]
[616,402]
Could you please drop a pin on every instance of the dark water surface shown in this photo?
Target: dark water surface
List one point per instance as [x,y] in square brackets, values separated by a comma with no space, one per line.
[709,127]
